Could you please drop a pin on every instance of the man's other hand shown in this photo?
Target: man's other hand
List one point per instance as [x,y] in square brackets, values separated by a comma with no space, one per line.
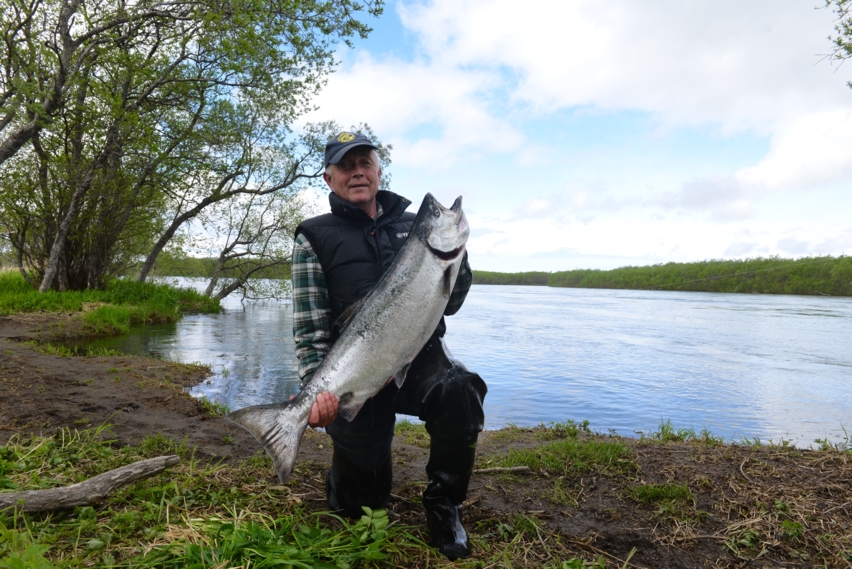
[323,411]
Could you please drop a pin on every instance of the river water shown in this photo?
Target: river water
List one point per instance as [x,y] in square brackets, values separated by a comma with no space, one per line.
[742,366]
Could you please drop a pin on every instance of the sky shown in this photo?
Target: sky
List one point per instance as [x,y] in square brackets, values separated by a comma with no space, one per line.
[588,134]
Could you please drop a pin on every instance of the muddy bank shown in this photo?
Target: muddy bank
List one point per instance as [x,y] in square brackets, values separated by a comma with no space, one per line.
[726,506]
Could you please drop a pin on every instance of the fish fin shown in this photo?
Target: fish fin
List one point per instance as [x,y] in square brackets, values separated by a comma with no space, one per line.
[277,429]
[344,319]
[399,378]
[448,281]
[346,408]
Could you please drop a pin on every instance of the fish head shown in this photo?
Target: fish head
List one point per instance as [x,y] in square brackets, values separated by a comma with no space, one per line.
[443,230]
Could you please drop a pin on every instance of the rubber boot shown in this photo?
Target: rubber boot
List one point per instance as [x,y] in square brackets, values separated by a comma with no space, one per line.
[449,469]
[349,487]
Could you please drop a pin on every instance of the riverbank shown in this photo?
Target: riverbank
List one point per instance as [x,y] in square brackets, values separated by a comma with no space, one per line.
[680,499]
[820,276]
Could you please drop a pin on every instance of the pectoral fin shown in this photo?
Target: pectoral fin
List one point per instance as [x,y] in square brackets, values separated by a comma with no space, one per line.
[399,378]
[448,281]
[347,408]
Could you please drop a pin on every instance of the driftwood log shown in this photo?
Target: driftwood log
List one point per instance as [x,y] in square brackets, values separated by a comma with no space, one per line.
[87,492]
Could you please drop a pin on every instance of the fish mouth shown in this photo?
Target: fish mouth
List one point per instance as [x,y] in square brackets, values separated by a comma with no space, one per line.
[446,255]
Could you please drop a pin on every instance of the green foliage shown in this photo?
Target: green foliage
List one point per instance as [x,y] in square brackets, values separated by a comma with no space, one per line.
[194,514]
[843,26]
[125,302]
[658,493]
[412,433]
[532,278]
[170,265]
[267,542]
[773,275]
[152,116]
[572,456]
[20,550]
[214,408]
[667,433]
[568,429]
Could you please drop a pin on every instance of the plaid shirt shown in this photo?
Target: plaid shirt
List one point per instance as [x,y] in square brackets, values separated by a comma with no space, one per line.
[312,311]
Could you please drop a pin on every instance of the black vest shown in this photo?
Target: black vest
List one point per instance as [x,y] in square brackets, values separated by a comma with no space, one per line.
[354,249]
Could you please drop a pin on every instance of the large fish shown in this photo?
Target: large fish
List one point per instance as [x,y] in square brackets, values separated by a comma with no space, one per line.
[379,336]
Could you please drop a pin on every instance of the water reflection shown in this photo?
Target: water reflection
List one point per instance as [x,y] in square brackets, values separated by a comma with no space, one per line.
[743,366]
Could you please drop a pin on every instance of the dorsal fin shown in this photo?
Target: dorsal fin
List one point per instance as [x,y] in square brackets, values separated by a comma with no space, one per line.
[343,320]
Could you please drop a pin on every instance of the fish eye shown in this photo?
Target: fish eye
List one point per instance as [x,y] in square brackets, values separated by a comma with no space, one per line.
[437,212]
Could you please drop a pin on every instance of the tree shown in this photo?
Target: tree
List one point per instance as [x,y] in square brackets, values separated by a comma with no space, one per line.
[47,44]
[843,26]
[156,115]
[255,233]
[263,164]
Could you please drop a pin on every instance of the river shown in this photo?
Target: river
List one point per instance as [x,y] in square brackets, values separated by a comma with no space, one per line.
[765,367]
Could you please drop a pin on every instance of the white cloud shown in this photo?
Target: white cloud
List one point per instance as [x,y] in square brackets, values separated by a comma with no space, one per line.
[736,64]
[395,97]
[811,150]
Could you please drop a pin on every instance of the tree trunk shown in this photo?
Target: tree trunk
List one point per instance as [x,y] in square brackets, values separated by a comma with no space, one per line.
[61,234]
[214,280]
[86,492]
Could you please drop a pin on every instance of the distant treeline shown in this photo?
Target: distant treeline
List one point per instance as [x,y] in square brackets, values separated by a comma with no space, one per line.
[535,278]
[168,266]
[771,275]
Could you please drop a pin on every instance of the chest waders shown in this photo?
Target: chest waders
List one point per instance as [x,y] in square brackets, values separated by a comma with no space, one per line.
[438,389]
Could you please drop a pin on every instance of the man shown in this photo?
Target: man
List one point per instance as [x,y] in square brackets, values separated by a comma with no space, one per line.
[337,259]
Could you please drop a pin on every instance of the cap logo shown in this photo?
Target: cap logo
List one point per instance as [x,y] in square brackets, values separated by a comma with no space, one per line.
[345,137]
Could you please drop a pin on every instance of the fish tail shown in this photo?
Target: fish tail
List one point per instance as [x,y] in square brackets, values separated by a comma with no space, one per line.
[278,428]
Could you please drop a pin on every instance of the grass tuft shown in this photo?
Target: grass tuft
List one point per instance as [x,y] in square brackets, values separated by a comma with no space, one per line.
[666,433]
[656,493]
[213,408]
[571,456]
[412,433]
[568,429]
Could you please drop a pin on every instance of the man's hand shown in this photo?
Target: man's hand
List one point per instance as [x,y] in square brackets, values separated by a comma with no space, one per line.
[323,411]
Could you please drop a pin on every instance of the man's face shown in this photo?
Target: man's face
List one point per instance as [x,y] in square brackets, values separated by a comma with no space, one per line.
[356,177]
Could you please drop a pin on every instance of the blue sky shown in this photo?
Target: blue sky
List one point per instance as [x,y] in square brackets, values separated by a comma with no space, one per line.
[597,135]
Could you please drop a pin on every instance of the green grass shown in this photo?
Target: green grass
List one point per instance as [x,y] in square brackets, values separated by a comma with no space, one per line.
[571,456]
[123,302]
[210,514]
[667,433]
[568,429]
[673,501]
[195,513]
[509,433]
[213,408]
[412,433]
[657,493]
[66,352]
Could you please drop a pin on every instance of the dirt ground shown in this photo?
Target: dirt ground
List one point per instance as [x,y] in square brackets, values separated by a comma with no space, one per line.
[763,506]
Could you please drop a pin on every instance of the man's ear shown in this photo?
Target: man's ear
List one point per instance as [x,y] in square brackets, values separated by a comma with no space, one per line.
[327,179]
